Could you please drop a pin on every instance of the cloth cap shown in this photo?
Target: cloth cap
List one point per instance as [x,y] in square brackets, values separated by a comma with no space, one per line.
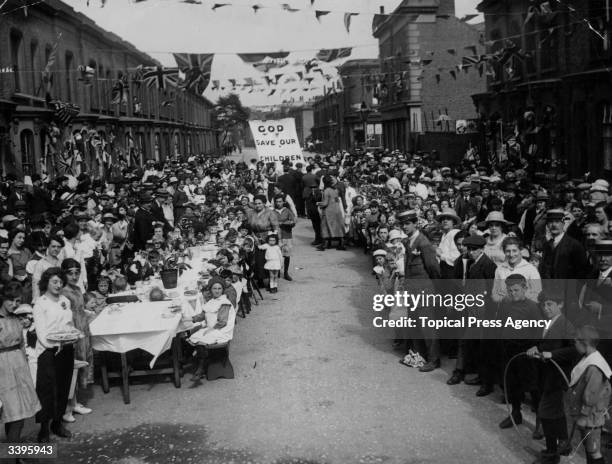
[407,216]
[476,241]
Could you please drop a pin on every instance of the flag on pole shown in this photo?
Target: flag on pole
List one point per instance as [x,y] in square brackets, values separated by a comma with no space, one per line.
[65,112]
[287,7]
[197,69]
[47,74]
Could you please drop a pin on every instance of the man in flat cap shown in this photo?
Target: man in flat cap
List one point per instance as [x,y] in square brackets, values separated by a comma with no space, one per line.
[421,271]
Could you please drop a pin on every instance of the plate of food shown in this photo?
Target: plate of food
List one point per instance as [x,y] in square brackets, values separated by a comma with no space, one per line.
[65,336]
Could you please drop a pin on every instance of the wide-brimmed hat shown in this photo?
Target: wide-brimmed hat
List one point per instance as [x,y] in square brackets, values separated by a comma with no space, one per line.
[496,216]
[542,196]
[394,234]
[450,214]
[555,215]
[379,252]
[109,217]
[465,186]
[601,247]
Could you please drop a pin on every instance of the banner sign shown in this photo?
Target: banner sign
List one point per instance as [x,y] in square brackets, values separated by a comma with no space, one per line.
[277,141]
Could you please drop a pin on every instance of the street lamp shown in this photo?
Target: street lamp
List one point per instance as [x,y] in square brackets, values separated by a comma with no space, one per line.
[364,112]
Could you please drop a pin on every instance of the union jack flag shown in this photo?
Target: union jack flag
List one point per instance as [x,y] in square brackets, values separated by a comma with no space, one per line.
[159,76]
[331,54]
[65,112]
[197,68]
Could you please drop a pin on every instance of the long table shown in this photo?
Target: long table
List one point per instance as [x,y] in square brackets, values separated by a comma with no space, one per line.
[149,326]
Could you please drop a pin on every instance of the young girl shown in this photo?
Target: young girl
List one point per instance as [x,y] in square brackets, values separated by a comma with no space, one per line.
[589,392]
[274,260]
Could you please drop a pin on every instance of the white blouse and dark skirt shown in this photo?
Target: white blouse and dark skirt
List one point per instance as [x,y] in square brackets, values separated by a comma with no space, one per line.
[55,361]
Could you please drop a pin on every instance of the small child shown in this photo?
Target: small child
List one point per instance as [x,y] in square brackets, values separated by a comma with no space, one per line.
[589,392]
[274,260]
[396,247]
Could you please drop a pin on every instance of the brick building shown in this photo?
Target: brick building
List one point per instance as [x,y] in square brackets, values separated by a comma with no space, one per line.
[151,123]
[422,93]
[328,128]
[554,92]
[361,115]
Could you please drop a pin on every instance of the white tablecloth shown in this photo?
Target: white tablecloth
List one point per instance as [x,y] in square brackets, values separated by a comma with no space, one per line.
[149,326]
[141,325]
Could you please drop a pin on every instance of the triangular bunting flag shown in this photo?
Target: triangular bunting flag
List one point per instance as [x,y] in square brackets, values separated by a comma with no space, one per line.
[287,7]
[300,74]
[347,20]
[319,13]
[256,8]
[219,5]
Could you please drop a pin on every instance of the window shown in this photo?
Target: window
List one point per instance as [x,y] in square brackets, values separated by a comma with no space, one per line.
[141,143]
[68,67]
[27,151]
[549,48]
[16,39]
[606,135]
[156,148]
[93,89]
[599,18]
[33,65]
[495,69]
[177,148]
[108,85]
[531,47]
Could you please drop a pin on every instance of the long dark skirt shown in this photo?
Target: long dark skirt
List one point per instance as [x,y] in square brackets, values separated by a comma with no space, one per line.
[260,261]
[53,377]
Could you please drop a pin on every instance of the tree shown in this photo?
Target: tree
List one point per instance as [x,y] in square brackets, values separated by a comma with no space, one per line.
[230,113]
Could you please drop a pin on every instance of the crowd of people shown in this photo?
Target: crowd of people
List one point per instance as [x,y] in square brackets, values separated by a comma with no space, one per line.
[68,244]
[536,246]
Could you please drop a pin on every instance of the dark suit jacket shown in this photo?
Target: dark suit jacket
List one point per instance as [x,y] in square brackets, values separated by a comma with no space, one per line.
[41,201]
[143,228]
[13,198]
[178,200]
[287,184]
[565,261]
[158,213]
[559,341]
[421,265]
[309,180]
[461,206]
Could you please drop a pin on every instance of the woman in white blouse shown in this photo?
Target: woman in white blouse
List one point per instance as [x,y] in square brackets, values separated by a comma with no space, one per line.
[52,313]
[515,264]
